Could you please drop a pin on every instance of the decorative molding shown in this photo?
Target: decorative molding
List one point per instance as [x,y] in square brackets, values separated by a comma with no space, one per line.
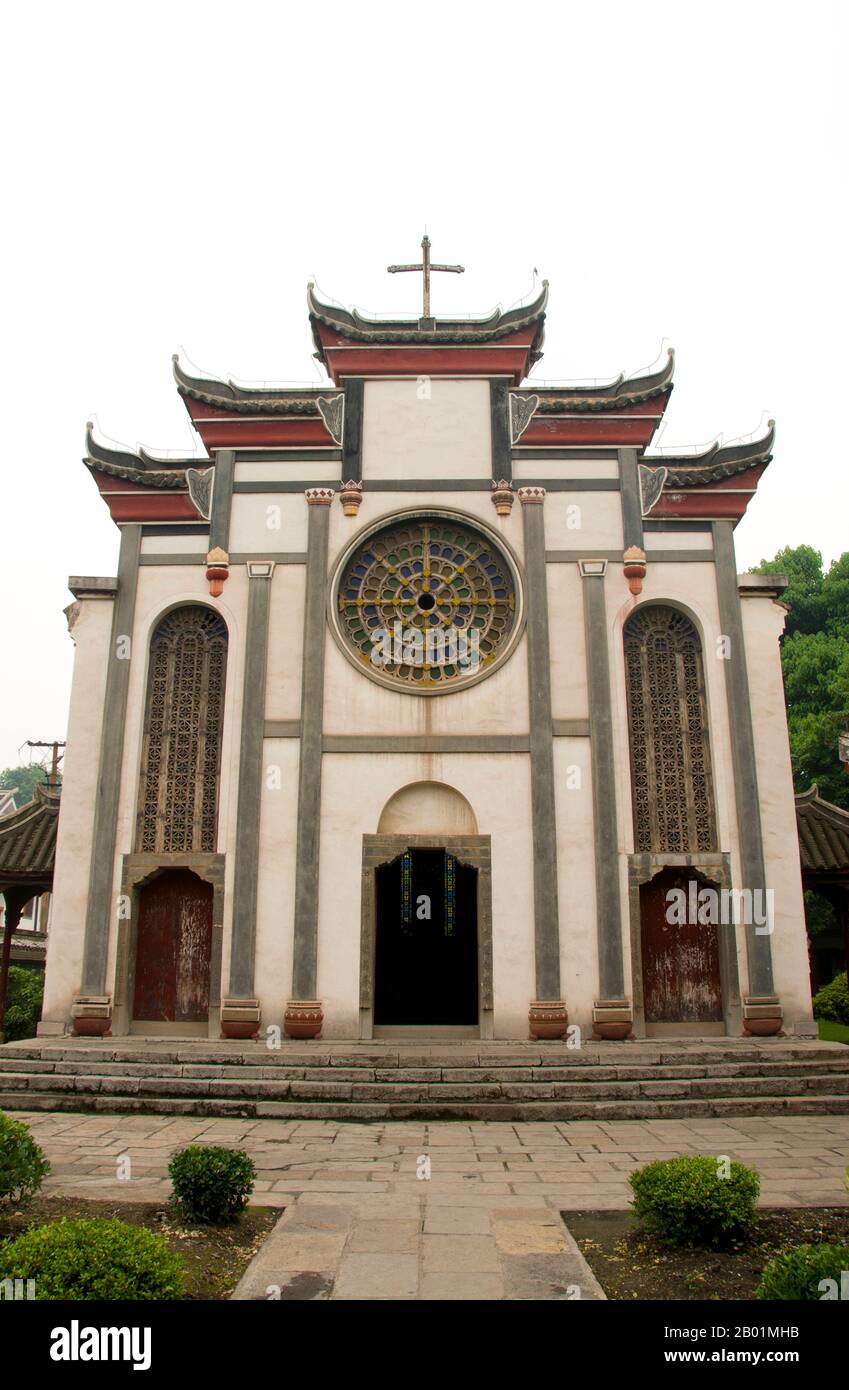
[530,496]
[651,486]
[200,483]
[332,411]
[634,568]
[319,496]
[522,410]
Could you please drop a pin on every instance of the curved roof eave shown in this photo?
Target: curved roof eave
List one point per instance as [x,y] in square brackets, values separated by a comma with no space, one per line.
[715,463]
[141,467]
[350,323]
[621,390]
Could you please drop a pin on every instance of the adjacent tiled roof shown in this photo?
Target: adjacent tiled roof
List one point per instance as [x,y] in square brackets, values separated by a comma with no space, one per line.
[716,463]
[823,834]
[28,840]
[140,467]
[611,395]
[248,400]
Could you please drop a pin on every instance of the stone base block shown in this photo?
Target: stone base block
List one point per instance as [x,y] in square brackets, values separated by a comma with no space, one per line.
[240,1018]
[612,1019]
[91,1016]
[762,1015]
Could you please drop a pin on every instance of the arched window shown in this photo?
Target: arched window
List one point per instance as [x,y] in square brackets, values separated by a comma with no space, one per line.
[184,715]
[671,781]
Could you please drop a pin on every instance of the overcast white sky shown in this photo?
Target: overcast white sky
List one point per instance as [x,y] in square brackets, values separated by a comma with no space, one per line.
[174,175]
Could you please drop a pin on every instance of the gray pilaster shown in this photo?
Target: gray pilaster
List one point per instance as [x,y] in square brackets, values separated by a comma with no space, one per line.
[246,859]
[543,819]
[632,512]
[743,760]
[499,414]
[100,906]
[352,439]
[605,834]
[309,774]
[222,497]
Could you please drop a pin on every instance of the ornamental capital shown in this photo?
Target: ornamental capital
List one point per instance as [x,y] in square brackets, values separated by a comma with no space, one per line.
[502,496]
[351,495]
[529,495]
[319,496]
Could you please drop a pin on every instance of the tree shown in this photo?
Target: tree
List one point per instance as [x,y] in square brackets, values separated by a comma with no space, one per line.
[815,662]
[25,779]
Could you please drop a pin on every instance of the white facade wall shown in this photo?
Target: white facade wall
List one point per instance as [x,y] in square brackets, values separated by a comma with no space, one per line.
[446,436]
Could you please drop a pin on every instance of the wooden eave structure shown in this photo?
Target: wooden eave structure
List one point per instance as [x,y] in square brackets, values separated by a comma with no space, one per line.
[28,844]
[823,840]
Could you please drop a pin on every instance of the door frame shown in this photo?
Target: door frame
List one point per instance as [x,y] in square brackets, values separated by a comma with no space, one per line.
[136,871]
[472,850]
[716,867]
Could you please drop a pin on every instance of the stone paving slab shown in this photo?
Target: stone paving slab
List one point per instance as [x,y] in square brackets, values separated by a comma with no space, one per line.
[446,1210]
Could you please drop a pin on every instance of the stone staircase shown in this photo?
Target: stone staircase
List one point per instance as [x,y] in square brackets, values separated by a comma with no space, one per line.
[379,1081]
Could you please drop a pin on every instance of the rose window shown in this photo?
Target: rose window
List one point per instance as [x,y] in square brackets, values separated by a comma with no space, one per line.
[428,603]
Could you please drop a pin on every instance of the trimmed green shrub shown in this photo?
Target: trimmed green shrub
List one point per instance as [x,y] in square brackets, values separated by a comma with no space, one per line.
[685,1201]
[23,1166]
[795,1274]
[832,1001]
[94,1259]
[211,1185]
[23,1003]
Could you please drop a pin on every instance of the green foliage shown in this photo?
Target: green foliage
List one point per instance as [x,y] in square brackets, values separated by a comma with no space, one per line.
[795,1275]
[23,1003]
[211,1185]
[23,1166]
[832,1001]
[815,661]
[94,1259]
[685,1201]
[24,778]
[820,915]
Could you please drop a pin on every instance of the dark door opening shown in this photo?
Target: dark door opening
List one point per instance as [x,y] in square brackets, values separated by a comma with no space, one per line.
[681,974]
[426,957]
[173,949]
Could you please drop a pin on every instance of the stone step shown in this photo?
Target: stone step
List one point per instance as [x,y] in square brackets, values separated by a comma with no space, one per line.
[364,1112]
[372,1081]
[464,1057]
[284,1070]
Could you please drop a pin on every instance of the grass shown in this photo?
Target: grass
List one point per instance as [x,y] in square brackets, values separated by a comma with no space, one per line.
[216,1257]
[834,1032]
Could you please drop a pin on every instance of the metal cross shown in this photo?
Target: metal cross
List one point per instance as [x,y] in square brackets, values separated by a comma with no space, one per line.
[426,267]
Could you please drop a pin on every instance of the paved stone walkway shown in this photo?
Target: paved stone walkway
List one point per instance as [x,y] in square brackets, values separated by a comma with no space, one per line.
[435,1210]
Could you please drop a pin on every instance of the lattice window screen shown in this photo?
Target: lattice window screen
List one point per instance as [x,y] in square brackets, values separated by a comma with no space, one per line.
[181,753]
[671,781]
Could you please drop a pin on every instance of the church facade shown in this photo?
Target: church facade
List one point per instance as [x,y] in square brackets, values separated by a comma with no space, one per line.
[429,704]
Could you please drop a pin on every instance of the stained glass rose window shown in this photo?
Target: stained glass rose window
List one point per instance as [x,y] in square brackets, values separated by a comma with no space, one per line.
[429,602]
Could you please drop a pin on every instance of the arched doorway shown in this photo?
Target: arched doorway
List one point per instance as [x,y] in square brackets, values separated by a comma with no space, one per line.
[426,933]
[173,950]
[426,949]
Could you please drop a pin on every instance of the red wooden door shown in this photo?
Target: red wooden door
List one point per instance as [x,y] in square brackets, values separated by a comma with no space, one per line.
[681,978]
[173,949]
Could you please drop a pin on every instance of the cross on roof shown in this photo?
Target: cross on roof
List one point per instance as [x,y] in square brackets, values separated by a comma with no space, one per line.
[426,267]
